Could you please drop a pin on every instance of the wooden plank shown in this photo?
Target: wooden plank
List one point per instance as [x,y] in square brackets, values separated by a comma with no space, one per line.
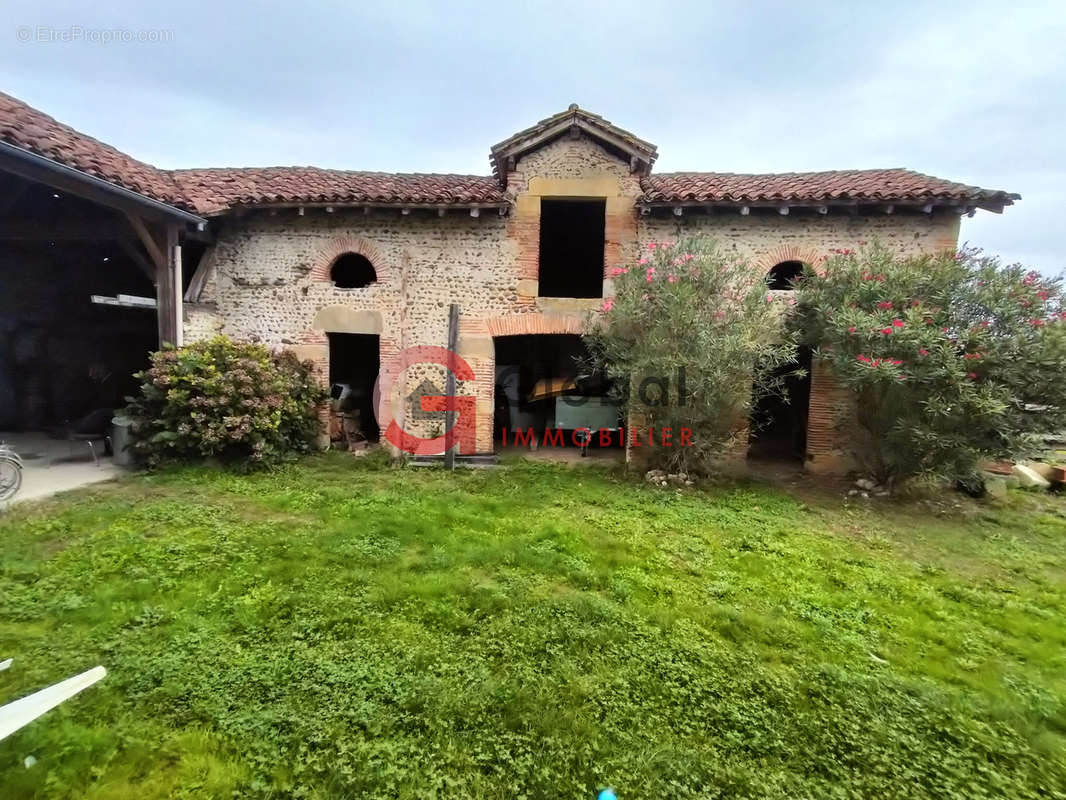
[167,295]
[148,240]
[204,270]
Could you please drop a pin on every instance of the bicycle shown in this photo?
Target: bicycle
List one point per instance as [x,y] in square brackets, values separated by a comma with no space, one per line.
[10,472]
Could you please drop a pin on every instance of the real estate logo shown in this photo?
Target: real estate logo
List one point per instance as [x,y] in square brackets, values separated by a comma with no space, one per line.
[427,401]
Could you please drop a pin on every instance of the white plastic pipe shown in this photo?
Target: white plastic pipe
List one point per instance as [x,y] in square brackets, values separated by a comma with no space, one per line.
[22,712]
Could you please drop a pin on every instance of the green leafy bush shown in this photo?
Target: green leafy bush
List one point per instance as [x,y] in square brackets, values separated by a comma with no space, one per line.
[694,333]
[224,399]
[954,358]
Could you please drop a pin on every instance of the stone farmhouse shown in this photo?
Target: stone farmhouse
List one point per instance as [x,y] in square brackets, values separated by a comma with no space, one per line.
[350,269]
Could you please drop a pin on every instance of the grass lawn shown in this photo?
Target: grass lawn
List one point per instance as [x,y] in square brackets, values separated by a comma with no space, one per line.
[347,630]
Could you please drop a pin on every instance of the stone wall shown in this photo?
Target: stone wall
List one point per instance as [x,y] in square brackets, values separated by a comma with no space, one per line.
[272,285]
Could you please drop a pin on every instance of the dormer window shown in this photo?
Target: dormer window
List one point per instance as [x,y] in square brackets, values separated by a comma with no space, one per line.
[571,247]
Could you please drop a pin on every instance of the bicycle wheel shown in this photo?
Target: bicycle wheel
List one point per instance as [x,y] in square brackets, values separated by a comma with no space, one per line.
[10,477]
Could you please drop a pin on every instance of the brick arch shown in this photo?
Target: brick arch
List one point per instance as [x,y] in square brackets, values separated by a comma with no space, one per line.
[522,324]
[341,245]
[810,256]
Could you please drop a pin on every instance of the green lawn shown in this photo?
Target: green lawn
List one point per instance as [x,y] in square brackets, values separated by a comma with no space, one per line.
[340,629]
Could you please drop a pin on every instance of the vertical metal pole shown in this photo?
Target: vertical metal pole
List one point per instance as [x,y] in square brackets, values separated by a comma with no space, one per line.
[174,255]
[453,342]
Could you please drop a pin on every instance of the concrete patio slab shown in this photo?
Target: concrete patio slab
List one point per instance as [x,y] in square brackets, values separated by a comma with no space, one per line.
[51,466]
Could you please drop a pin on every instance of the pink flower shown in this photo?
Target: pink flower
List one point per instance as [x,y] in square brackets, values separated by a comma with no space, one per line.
[851,329]
[642,261]
[863,359]
[923,352]
[886,331]
[618,271]
[1036,321]
[885,304]
[971,375]
[769,297]
[649,276]
[652,245]
[608,304]
[898,323]
[671,279]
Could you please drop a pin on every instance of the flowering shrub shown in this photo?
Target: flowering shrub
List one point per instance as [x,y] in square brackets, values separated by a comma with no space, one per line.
[225,399]
[691,331]
[954,358]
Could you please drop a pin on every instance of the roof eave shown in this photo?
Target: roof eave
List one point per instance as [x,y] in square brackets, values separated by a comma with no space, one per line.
[42,169]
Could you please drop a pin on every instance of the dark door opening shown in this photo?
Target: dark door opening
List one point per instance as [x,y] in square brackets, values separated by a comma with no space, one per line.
[778,429]
[571,247]
[354,362]
[544,393]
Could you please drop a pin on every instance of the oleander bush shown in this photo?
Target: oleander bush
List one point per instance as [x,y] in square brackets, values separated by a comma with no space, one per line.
[954,358]
[220,398]
[694,334]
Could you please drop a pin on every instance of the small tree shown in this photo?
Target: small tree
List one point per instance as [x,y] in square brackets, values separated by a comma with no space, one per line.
[225,399]
[693,333]
[953,357]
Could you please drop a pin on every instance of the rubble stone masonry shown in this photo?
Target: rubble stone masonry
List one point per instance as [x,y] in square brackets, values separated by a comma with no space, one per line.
[271,276]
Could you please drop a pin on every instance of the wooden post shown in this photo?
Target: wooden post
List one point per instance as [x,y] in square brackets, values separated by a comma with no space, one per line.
[166,257]
[174,265]
[453,342]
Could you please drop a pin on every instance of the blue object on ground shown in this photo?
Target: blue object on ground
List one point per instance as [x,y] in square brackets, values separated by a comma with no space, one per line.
[607,794]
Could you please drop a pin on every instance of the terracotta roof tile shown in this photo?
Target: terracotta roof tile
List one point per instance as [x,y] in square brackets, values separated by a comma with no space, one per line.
[871,185]
[214,190]
[25,127]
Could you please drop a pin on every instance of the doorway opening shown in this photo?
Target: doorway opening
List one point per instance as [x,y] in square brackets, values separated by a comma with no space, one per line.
[548,400]
[778,425]
[354,362]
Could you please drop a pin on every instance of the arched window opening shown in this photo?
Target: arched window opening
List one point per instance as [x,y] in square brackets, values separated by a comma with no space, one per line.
[783,275]
[352,271]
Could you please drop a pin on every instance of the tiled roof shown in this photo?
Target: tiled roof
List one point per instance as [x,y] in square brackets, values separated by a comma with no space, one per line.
[25,127]
[866,185]
[557,125]
[214,190]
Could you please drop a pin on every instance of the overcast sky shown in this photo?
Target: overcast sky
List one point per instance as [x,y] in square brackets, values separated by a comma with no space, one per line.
[974,91]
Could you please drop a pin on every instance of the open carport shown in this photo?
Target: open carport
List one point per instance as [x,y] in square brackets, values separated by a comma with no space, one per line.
[91,280]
